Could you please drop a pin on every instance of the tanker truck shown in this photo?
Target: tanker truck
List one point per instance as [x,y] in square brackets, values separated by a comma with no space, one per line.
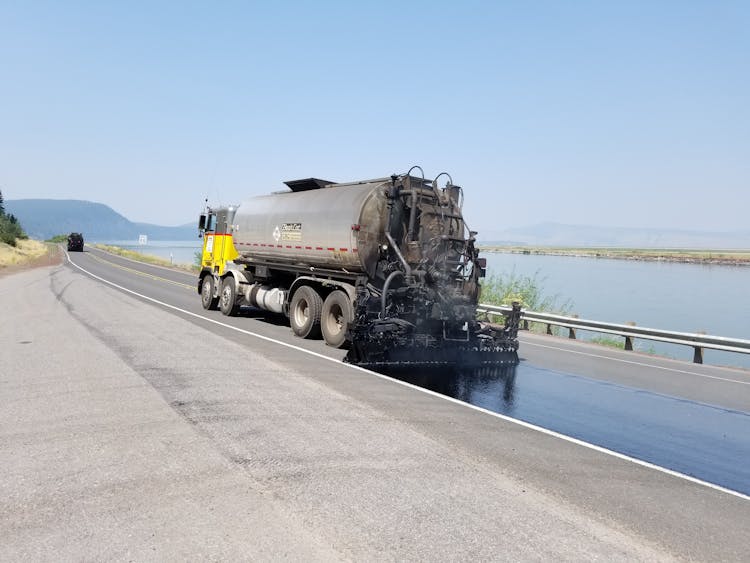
[386,268]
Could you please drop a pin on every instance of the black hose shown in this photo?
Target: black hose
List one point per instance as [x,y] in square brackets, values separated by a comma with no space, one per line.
[384,296]
[397,250]
[413,214]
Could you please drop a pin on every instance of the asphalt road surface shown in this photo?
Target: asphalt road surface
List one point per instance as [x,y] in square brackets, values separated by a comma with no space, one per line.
[133,429]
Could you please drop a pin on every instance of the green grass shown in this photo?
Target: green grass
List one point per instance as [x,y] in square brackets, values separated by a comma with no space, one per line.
[529,292]
[619,342]
[611,341]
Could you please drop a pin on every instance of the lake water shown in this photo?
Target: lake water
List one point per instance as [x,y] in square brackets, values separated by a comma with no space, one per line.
[671,296]
[179,252]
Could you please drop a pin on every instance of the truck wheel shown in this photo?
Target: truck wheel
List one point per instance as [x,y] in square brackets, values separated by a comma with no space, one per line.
[335,318]
[228,302]
[207,293]
[304,312]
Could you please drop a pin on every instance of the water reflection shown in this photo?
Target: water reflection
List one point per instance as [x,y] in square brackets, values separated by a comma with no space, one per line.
[492,388]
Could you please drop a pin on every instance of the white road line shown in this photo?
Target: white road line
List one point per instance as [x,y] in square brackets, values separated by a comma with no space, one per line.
[642,364]
[141,273]
[427,391]
[174,268]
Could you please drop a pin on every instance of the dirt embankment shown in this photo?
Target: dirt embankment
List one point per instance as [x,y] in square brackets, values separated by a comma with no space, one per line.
[28,254]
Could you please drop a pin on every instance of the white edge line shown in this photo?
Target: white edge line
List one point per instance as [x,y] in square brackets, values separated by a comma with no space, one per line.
[522,423]
[168,268]
[632,362]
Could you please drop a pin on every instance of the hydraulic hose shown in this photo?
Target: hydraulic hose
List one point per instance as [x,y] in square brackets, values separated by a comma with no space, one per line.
[386,285]
[397,250]
[413,214]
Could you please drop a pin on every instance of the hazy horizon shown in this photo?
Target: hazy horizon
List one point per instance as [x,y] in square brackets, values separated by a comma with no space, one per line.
[487,228]
[632,114]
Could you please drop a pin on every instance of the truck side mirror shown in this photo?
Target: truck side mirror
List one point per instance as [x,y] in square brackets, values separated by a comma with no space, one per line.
[202,221]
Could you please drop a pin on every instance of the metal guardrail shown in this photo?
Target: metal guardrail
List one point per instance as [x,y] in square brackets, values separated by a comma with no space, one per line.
[696,340]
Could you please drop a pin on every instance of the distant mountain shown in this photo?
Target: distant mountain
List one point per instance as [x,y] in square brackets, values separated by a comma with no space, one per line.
[556,234]
[45,218]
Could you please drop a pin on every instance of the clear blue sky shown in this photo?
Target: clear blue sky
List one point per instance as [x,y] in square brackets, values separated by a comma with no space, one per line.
[583,112]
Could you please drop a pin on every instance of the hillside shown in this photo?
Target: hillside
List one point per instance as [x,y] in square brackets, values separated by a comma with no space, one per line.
[556,234]
[45,218]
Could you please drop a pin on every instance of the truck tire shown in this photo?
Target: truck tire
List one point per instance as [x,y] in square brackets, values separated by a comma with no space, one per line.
[228,302]
[304,312]
[335,318]
[208,300]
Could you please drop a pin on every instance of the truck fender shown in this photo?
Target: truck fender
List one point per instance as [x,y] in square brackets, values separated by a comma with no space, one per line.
[347,287]
[239,278]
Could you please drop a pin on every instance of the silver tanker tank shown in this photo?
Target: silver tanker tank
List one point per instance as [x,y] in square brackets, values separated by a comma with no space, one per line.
[338,226]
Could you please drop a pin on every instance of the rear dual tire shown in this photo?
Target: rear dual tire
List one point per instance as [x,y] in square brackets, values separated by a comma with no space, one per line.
[335,318]
[304,312]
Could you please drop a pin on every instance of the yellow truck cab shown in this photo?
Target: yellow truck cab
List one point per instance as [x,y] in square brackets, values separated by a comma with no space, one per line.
[215,226]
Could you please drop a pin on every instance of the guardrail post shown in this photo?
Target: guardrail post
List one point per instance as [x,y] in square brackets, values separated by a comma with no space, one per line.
[549,328]
[629,339]
[698,355]
[572,331]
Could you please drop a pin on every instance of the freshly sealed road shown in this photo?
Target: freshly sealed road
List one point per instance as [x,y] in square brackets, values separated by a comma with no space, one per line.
[688,418]
[130,429]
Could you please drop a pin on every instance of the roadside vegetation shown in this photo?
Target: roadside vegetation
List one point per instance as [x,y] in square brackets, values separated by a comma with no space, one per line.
[10,228]
[23,252]
[609,341]
[614,342]
[15,247]
[146,258]
[528,291]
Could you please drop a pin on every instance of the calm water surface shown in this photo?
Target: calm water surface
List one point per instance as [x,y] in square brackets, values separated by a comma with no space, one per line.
[180,252]
[671,296]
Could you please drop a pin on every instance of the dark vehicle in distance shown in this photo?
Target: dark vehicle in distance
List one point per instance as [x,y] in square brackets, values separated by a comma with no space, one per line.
[75,242]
